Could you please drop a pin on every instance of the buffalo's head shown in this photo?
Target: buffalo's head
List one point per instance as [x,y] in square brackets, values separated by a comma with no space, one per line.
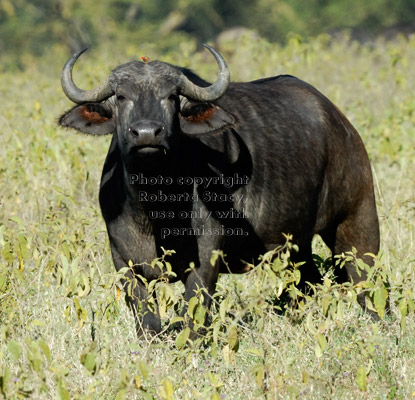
[147,105]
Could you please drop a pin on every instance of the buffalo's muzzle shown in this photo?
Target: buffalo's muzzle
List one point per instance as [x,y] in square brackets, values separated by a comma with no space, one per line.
[147,133]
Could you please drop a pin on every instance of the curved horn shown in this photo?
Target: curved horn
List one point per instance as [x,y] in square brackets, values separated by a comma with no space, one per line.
[79,96]
[214,91]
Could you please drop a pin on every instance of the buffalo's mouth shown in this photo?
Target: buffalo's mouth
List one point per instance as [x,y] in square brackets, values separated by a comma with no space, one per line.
[151,149]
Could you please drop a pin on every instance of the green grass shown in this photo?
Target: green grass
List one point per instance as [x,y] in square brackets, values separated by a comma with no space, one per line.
[66,333]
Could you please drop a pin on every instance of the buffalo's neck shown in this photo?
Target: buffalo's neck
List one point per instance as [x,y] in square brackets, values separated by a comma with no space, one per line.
[161,192]
[169,195]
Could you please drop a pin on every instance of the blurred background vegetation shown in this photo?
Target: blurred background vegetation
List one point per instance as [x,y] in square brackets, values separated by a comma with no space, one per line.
[29,28]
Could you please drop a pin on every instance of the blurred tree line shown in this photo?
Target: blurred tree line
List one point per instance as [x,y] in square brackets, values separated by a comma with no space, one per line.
[33,26]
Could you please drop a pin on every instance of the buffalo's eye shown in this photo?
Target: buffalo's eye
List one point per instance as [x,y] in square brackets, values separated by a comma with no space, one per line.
[120,97]
[172,97]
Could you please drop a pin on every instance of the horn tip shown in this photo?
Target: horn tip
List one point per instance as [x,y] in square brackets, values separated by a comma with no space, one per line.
[82,51]
[210,48]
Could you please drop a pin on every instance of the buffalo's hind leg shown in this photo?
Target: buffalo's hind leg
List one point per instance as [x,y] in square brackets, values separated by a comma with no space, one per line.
[360,230]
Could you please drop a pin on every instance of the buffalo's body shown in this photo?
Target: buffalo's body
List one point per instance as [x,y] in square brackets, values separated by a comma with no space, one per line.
[267,157]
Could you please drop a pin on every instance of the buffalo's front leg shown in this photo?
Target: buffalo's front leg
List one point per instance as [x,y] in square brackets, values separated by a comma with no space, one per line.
[202,279]
[142,303]
[144,307]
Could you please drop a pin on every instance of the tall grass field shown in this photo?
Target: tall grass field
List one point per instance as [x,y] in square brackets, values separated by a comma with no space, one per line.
[65,330]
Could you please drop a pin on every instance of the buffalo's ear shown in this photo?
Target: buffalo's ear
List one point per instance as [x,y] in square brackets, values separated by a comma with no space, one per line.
[92,118]
[196,118]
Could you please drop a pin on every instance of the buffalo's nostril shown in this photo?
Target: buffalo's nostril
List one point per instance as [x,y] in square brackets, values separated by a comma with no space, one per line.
[158,130]
[133,131]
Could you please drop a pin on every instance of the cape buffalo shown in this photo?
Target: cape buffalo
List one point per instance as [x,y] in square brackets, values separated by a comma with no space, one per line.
[196,167]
